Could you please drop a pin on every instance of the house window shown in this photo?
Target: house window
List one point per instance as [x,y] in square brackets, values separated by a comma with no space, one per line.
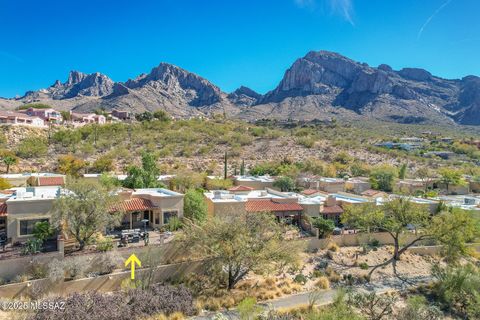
[26,226]
[167,215]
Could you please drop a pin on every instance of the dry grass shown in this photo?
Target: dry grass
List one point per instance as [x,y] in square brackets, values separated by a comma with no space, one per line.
[332,246]
[260,289]
[323,283]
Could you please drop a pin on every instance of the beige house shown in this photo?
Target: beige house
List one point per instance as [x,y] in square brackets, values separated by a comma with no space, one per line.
[257,183]
[234,201]
[157,205]
[18,118]
[34,179]
[25,207]
[412,186]
[357,185]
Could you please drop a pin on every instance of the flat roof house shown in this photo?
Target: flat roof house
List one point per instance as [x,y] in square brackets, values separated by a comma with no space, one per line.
[34,179]
[86,118]
[48,115]
[257,183]
[331,184]
[357,185]
[241,199]
[17,118]
[25,207]
[157,205]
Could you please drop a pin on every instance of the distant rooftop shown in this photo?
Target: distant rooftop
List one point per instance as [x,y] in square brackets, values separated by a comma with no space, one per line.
[157,192]
[254,178]
[227,196]
[34,193]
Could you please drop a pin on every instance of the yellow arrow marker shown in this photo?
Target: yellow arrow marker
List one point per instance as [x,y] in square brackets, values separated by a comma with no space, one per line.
[132,260]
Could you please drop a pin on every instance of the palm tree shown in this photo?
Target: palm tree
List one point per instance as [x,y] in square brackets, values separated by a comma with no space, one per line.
[9,161]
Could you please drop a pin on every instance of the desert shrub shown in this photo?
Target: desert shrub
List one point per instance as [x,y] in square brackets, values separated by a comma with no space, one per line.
[458,289]
[174,224]
[32,246]
[36,270]
[307,142]
[133,304]
[418,309]
[248,309]
[32,148]
[333,247]
[103,164]
[75,267]
[106,263]
[70,165]
[363,266]
[300,278]
[105,244]
[323,283]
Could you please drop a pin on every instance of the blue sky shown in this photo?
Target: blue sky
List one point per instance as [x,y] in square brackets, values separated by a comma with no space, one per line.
[231,43]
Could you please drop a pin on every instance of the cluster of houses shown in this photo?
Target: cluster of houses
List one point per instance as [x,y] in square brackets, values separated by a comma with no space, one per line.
[42,117]
[416,143]
[32,196]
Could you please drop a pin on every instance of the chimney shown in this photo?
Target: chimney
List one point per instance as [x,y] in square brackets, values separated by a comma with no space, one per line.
[330,201]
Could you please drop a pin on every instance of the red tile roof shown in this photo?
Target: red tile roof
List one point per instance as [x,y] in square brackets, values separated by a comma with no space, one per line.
[135,204]
[332,210]
[51,181]
[241,188]
[3,210]
[269,205]
[370,192]
[309,192]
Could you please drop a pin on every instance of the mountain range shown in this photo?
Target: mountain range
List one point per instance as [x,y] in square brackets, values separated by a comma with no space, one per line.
[321,85]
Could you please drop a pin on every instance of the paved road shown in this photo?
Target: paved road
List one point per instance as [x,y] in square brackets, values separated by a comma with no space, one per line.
[324,297]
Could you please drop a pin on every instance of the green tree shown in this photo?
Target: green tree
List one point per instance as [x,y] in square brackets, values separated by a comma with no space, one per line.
[145,176]
[451,177]
[383,178]
[4,184]
[325,226]
[240,244]
[454,228]
[194,206]
[84,209]
[402,173]
[109,181]
[425,174]
[285,184]
[9,160]
[70,165]
[397,216]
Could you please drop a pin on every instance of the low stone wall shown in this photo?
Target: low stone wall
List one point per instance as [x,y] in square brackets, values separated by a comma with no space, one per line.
[357,239]
[164,253]
[105,283]
[10,268]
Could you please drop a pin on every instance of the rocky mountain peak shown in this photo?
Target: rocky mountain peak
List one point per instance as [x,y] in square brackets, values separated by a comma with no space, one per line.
[75,77]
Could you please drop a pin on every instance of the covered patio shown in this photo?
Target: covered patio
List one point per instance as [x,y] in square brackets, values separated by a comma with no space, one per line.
[138,209]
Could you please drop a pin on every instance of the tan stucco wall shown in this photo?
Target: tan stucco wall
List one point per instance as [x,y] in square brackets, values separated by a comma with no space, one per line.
[25,210]
[219,209]
[312,210]
[257,185]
